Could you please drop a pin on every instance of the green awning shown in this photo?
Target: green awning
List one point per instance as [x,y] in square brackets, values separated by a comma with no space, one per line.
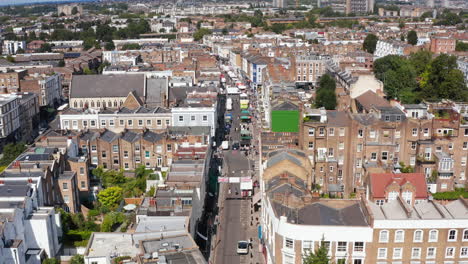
[245,117]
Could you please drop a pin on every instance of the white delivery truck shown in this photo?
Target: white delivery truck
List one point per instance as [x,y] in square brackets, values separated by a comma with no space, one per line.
[229,104]
[225,145]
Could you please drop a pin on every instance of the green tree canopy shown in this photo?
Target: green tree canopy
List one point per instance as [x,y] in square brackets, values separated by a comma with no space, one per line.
[50,261]
[370,42]
[412,37]
[110,45]
[77,259]
[326,95]
[131,46]
[398,76]
[74,10]
[11,151]
[443,80]
[111,196]
[420,60]
[320,256]
[198,35]
[447,18]
[461,46]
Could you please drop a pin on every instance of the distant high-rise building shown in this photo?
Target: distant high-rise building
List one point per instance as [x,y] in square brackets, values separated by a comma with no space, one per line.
[278,3]
[359,6]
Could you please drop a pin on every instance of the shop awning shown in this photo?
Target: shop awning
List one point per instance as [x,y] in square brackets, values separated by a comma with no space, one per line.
[245,117]
[257,197]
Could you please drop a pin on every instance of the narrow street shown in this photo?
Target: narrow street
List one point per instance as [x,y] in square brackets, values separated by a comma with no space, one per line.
[235,212]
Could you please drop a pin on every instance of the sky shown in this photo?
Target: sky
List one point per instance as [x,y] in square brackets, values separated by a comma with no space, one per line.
[24,2]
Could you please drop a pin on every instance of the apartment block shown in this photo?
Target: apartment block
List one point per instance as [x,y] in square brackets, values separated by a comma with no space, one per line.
[9,114]
[10,81]
[11,47]
[309,68]
[442,44]
[379,138]
[116,120]
[47,87]
[355,231]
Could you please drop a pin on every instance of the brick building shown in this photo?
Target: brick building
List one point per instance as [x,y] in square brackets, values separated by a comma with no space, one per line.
[295,222]
[345,147]
[442,44]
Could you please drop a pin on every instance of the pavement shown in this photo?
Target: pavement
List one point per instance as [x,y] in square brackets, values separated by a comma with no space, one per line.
[236,218]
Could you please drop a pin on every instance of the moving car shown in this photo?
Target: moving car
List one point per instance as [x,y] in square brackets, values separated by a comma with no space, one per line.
[243,247]
[235,146]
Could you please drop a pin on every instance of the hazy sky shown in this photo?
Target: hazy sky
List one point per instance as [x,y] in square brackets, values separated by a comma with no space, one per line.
[23,2]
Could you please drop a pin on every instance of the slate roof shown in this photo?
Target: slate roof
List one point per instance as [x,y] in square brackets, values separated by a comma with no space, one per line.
[109,136]
[130,136]
[285,106]
[119,85]
[370,99]
[151,136]
[338,118]
[283,156]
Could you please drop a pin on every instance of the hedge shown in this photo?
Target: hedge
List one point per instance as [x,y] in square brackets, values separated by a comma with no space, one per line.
[450,195]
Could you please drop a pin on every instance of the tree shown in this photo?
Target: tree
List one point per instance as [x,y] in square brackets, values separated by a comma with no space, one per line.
[111,196]
[110,45]
[401,25]
[11,151]
[50,261]
[448,18]
[89,43]
[162,30]
[131,46]
[61,63]
[74,10]
[110,220]
[370,42]
[461,46]
[225,31]
[199,34]
[77,259]
[443,80]
[320,256]
[420,60]
[326,96]
[10,58]
[398,76]
[412,37]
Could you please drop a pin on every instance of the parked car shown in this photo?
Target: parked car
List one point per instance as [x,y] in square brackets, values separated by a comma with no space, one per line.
[242,247]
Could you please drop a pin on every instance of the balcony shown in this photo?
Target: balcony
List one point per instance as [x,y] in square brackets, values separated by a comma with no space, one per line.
[424,160]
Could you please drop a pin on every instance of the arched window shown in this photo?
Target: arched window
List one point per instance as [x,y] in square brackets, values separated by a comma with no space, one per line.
[115,103]
[75,104]
[433,235]
[92,103]
[452,235]
[383,236]
[418,236]
[81,103]
[98,104]
[399,236]
[465,235]
[121,102]
[109,104]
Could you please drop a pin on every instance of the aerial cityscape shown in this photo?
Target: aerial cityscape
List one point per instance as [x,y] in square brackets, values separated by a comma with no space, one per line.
[233,132]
